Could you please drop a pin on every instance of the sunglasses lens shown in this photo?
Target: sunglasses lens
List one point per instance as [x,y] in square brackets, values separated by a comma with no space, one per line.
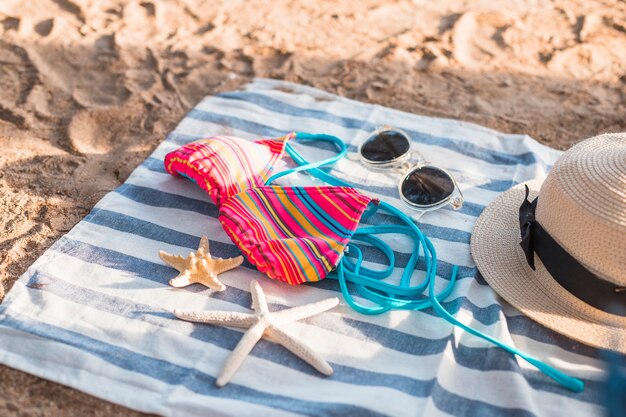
[385,146]
[427,186]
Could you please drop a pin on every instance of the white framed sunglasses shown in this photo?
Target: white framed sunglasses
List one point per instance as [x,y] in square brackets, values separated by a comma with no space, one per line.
[423,186]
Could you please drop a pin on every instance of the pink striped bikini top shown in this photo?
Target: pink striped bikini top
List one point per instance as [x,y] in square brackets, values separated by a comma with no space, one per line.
[293,234]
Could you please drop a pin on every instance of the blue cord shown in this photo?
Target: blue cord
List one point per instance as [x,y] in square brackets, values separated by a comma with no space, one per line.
[304,165]
[369,283]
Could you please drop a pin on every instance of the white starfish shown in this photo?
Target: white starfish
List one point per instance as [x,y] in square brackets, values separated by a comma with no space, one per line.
[263,323]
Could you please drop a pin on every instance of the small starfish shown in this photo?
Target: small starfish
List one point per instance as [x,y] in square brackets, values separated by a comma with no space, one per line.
[200,267]
[263,323]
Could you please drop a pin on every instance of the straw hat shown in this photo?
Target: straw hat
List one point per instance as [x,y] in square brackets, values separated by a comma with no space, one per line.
[579,230]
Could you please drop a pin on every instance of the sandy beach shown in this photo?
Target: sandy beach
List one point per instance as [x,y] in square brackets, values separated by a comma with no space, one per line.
[88,88]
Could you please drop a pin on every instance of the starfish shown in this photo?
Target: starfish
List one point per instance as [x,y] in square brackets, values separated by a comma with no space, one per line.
[263,323]
[200,267]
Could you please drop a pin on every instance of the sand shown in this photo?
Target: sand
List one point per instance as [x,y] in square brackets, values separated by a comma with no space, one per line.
[88,88]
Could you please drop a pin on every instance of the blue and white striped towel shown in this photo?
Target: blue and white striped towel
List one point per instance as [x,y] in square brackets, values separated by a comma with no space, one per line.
[94,312]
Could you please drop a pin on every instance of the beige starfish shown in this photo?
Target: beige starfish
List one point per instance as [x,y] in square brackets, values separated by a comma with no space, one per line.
[263,323]
[200,267]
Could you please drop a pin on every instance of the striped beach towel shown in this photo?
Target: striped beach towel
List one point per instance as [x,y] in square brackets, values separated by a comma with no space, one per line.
[94,312]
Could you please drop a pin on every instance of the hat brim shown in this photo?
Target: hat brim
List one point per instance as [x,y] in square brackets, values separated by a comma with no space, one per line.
[501,261]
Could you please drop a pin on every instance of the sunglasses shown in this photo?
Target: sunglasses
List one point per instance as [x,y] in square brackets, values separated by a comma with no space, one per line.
[423,186]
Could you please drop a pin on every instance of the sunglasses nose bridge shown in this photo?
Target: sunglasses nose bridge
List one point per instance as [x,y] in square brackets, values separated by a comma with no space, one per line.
[405,167]
[417,158]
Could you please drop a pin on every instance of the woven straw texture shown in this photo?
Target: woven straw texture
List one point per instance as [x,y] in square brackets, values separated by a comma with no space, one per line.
[583,205]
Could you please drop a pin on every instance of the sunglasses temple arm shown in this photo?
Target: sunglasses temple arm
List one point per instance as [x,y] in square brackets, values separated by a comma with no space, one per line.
[460,197]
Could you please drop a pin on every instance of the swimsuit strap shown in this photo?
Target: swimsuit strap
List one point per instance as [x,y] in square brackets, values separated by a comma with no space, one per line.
[368,282]
[343,149]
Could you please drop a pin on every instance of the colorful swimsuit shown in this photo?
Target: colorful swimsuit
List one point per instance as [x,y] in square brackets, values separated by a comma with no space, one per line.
[293,234]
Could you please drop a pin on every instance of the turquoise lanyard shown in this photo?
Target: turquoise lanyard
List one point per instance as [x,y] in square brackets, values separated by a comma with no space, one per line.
[368,282]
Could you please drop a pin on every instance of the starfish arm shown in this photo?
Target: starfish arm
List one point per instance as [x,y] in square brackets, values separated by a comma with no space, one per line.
[301,312]
[175,261]
[204,246]
[245,345]
[300,350]
[259,304]
[225,318]
[182,280]
[210,280]
[223,265]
